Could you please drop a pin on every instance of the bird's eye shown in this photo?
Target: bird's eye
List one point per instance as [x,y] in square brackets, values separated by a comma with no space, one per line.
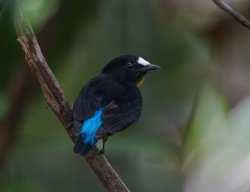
[130,65]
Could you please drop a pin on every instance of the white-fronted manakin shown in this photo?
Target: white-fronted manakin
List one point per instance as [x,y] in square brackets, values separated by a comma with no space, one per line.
[110,102]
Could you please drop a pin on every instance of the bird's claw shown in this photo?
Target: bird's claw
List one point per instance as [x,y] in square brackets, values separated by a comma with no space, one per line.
[101,152]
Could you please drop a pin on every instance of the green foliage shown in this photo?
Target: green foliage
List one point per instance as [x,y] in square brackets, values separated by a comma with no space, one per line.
[8,48]
[39,11]
[3,104]
[217,145]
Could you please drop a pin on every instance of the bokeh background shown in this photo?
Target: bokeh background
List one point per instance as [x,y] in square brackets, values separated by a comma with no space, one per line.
[194,131]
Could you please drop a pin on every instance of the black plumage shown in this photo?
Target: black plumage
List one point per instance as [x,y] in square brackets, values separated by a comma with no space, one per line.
[114,96]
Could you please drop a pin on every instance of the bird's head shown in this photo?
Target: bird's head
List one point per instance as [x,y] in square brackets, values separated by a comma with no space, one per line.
[129,69]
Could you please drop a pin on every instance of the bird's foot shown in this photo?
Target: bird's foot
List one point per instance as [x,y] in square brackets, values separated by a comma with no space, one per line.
[101,152]
[95,153]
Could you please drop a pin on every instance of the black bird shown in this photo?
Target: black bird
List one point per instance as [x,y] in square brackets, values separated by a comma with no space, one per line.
[109,102]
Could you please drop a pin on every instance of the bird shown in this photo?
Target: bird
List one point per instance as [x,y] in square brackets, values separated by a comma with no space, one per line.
[110,102]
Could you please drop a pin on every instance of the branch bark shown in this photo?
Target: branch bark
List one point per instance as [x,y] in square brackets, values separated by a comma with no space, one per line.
[240,18]
[58,102]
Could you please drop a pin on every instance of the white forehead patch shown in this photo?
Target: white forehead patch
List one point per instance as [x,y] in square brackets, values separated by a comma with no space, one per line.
[142,61]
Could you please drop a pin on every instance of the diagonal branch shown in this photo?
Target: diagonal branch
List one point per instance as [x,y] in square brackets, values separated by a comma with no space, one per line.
[58,102]
[240,18]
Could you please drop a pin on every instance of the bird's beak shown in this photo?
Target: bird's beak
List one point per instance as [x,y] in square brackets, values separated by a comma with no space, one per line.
[150,67]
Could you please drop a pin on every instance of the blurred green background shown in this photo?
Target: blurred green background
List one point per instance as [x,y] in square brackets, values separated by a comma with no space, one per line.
[194,131]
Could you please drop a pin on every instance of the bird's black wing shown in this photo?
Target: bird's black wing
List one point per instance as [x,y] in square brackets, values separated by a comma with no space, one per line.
[88,102]
[120,113]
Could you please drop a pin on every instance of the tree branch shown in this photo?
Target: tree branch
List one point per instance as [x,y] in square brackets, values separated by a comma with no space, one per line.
[240,18]
[58,102]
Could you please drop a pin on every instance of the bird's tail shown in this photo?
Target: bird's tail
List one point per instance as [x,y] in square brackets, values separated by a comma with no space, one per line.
[81,148]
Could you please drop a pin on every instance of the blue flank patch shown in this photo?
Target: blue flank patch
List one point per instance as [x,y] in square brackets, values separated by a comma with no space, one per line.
[90,127]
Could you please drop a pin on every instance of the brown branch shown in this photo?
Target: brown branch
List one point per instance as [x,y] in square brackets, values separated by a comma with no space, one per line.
[240,18]
[57,101]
